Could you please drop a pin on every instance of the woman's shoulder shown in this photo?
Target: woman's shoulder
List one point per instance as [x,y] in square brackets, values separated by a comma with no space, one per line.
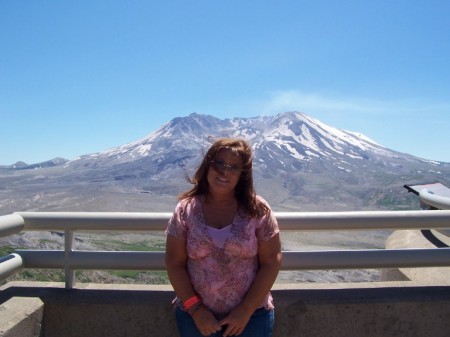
[262,207]
[188,203]
[261,202]
[260,199]
[265,222]
[187,200]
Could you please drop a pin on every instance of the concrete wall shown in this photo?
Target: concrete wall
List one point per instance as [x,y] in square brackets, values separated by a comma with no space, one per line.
[383,310]
[21,317]
[331,310]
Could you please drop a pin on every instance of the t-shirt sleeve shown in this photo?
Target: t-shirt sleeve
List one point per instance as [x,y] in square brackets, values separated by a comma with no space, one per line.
[177,224]
[268,225]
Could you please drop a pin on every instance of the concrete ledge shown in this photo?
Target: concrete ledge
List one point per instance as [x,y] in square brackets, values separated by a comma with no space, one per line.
[319,310]
[377,310]
[405,239]
[21,317]
[97,310]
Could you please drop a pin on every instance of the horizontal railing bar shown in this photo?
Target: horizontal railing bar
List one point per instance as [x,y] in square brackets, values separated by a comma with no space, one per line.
[95,221]
[99,260]
[10,264]
[363,220]
[292,260]
[288,221]
[366,259]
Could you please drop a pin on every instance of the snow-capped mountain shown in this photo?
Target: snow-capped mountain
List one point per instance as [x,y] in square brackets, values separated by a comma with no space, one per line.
[287,142]
[300,163]
[293,133]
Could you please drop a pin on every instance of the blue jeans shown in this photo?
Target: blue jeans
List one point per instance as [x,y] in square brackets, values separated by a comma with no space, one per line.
[259,325]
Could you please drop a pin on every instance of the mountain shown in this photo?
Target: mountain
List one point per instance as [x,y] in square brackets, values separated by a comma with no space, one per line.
[20,165]
[287,142]
[300,163]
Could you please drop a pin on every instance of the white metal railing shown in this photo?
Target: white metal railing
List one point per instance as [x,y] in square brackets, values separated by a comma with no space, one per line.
[431,199]
[71,222]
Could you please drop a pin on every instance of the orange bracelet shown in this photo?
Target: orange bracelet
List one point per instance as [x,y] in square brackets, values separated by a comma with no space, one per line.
[190,302]
[195,308]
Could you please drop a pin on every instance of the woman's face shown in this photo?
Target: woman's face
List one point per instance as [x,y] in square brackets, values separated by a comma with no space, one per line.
[224,173]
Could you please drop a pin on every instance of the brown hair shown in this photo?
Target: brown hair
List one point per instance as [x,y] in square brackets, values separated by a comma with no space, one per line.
[244,191]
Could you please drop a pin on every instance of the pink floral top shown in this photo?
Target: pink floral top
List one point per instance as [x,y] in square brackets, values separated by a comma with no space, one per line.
[222,264]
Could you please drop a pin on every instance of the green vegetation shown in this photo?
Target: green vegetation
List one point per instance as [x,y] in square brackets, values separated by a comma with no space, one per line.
[48,275]
[82,276]
[153,277]
[6,250]
[148,245]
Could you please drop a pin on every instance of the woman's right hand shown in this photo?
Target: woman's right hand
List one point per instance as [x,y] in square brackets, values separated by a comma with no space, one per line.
[206,322]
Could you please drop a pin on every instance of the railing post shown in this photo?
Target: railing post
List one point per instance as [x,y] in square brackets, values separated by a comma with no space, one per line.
[68,245]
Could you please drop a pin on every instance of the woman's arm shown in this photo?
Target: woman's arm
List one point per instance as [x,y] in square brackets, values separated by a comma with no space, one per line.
[269,255]
[176,258]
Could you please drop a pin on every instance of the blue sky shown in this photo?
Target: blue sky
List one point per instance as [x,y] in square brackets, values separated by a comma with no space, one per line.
[78,77]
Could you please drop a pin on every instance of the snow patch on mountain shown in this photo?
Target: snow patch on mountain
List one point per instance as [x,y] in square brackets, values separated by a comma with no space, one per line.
[287,141]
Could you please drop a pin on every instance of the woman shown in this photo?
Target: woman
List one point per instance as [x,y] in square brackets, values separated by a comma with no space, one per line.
[223,250]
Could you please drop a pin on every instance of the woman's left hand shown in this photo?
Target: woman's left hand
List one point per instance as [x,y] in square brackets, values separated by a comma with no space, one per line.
[236,321]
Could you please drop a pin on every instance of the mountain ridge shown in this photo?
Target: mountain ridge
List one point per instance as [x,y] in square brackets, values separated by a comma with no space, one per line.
[287,128]
[300,163]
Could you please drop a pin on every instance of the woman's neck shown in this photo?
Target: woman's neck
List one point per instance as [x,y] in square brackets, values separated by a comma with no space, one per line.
[223,200]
